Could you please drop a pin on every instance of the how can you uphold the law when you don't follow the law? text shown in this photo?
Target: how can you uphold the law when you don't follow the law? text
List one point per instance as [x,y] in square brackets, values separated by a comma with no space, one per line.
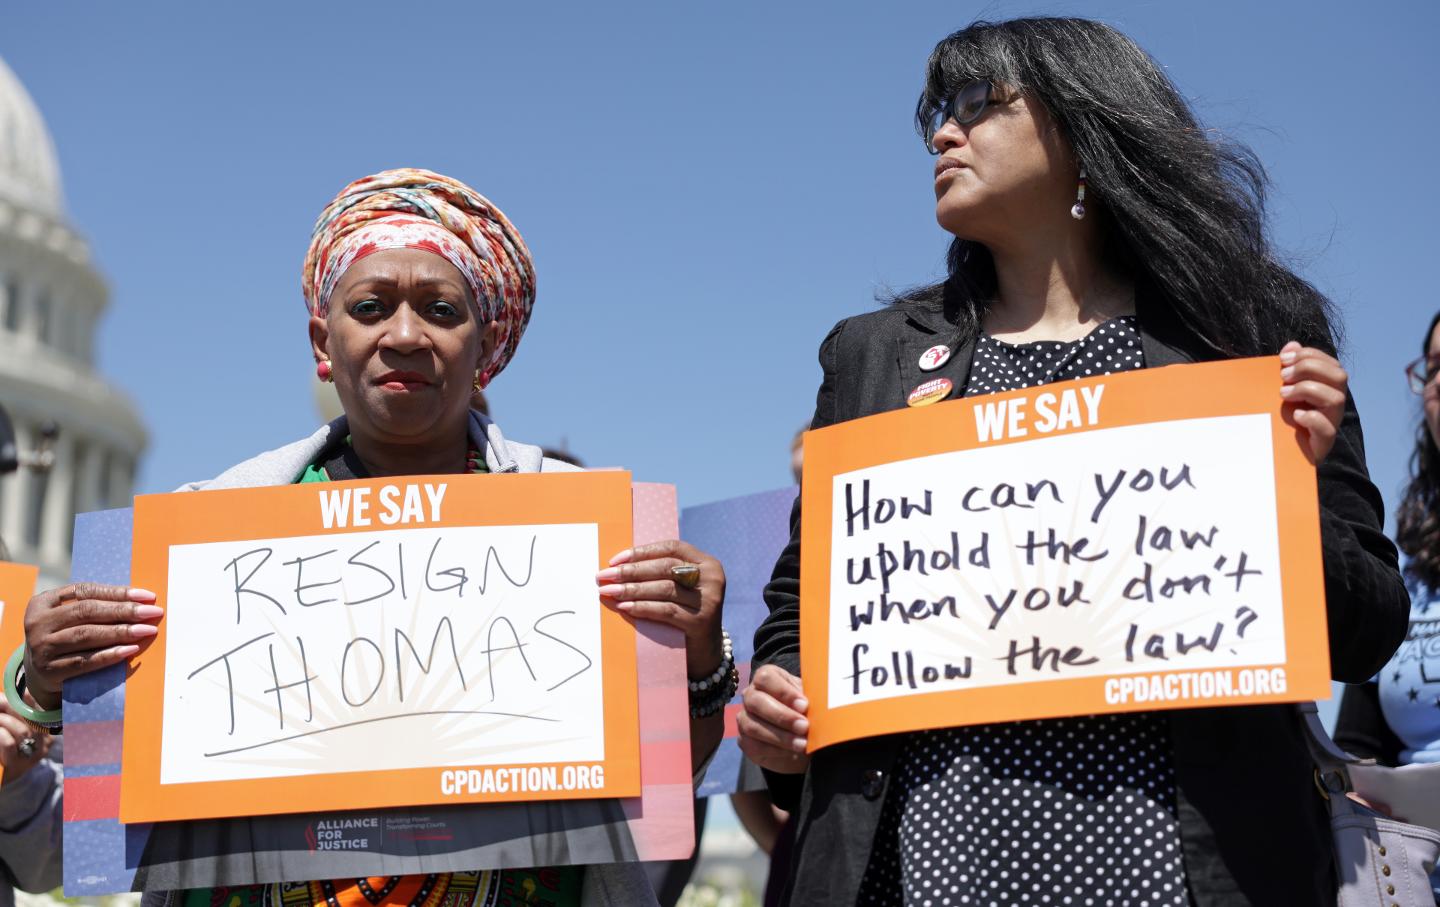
[1101,545]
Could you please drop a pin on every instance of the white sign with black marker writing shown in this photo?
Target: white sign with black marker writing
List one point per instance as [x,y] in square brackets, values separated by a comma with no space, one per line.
[386,649]
[1128,550]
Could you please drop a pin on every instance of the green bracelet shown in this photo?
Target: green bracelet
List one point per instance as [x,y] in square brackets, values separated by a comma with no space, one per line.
[15,695]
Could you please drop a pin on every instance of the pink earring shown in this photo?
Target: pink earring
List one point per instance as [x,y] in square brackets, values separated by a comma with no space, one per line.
[1077,210]
[323,370]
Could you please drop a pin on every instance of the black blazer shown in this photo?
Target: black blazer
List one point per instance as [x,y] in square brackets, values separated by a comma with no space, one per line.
[1253,828]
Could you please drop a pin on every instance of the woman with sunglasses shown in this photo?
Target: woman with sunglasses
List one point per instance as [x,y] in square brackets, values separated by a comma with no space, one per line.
[1394,718]
[1097,228]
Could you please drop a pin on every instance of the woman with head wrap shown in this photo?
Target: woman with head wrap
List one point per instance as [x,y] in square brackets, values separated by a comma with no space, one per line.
[419,291]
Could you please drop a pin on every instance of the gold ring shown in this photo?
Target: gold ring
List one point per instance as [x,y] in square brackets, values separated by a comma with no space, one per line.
[687,575]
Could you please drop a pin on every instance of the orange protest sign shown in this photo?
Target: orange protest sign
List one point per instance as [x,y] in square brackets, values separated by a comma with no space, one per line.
[386,642]
[1146,540]
[17,584]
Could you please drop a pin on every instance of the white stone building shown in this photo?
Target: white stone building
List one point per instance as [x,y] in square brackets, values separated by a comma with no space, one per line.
[51,298]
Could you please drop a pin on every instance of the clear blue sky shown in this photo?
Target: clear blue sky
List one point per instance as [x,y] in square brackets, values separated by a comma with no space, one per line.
[706,189]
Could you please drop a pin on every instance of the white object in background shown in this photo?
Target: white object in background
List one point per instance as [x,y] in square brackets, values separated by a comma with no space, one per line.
[1410,793]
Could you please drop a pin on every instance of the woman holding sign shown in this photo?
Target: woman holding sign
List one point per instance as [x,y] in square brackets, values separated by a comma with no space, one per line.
[418,291]
[1394,718]
[1098,228]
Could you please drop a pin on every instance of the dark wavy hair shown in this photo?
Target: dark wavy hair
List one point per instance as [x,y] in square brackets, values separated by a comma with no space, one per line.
[1417,519]
[1182,209]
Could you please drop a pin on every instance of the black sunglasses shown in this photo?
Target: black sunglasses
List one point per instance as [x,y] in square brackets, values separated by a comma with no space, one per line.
[964,107]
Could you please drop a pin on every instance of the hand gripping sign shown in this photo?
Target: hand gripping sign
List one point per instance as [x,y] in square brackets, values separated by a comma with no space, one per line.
[1147,540]
[388,642]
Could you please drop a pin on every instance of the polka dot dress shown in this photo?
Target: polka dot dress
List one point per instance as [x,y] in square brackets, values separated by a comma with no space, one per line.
[998,366]
[1077,811]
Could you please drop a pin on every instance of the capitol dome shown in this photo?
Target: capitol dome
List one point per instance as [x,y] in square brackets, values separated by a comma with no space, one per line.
[29,172]
[51,299]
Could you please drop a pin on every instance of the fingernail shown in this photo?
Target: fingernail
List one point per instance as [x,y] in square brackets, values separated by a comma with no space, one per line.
[127,651]
[140,595]
[623,557]
[799,744]
[624,606]
[608,574]
[1287,357]
[148,612]
[1287,372]
[140,631]
[801,704]
[802,726]
[1287,390]
[611,590]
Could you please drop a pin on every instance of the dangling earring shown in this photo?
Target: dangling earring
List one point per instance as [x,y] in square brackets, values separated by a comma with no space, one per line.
[478,384]
[1077,210]
[323,370]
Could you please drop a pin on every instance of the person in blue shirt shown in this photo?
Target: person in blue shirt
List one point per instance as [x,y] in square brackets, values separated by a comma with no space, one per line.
[1395,718]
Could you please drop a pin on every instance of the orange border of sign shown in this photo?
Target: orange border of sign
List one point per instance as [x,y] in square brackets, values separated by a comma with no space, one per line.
[1235,387]
[17,584]
[603,498]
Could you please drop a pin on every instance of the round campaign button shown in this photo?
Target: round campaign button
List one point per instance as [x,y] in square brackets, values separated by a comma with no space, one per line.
[930,392]
[934,357]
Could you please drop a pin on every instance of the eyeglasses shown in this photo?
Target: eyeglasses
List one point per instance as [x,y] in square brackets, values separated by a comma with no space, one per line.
[964,107]
[1421,372]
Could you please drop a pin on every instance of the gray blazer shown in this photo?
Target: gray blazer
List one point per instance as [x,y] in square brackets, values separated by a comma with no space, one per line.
[31,812]
[1252,827]
[604,885]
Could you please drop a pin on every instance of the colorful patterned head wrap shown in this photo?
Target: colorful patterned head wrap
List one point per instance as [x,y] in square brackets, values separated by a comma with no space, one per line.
[417,209]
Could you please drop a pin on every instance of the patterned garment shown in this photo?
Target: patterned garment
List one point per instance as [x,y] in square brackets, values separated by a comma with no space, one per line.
[1059,811]
[417,209]
[507,888]
[1409,692]
[1409,686]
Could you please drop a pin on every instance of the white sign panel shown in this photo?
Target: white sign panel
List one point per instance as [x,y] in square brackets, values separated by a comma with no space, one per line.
[1127,550]
[367,651]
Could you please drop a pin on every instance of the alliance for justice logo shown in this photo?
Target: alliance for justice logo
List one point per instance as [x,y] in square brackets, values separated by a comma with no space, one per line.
[341,834]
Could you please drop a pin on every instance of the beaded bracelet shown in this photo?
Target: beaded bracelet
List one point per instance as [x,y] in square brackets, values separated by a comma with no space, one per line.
[727,661]
[50,719]
[709,695]
[718,699]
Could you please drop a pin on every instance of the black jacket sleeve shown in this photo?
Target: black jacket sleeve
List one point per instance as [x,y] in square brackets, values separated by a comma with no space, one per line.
[1361,728]
[777,640]
[1367,606]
